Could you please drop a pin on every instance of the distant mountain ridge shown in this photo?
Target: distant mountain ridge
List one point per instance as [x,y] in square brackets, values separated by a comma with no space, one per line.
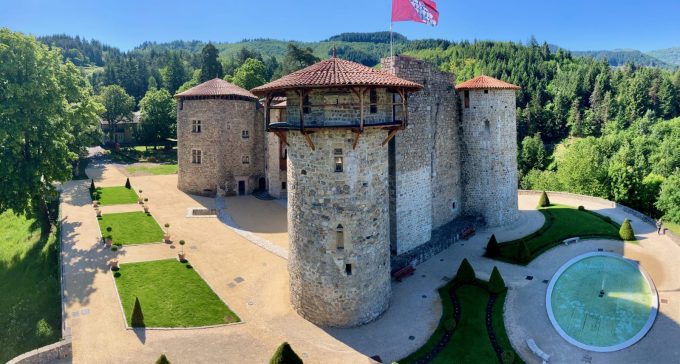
[668,55]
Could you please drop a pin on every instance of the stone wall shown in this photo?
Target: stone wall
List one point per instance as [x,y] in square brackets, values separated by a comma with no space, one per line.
[340,106]
[224,148]
[323,289]
[273,159]
[489,139]
[425,180]
[47,354]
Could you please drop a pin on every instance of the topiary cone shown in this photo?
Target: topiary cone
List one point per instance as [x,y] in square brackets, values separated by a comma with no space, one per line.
[626,232]
[163,360]
[492,247]
[127,183]
[496,282]
[465,273]
[285,355]
[523,252]
[544,201]
[137,315]
[92,187]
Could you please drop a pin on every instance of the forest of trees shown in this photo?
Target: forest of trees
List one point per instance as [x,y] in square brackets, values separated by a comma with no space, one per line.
[570,109]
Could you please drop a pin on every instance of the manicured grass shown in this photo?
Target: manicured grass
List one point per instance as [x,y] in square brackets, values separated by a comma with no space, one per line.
[171,294]
[673,227]
[115,195]
[160,169]
[470,341]
[561,222]
[131,228]
[30,314]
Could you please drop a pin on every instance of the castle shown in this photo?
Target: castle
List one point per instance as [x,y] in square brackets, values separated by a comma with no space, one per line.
[371,162]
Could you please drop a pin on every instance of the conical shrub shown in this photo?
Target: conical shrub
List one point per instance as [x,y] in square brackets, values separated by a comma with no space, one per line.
[626,232]
[163,360]
[137,315]
[127,183]
[285,355]
[92,186]
[544,201]
[492,248]
[465,274]
[523,252]
[496,282]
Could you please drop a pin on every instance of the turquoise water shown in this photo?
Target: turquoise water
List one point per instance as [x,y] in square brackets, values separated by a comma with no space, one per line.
[596,319]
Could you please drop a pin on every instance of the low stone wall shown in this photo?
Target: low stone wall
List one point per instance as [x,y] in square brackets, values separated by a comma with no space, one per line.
[46,354]
[602,201]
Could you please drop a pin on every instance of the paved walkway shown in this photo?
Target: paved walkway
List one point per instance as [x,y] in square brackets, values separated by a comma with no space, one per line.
[261,300]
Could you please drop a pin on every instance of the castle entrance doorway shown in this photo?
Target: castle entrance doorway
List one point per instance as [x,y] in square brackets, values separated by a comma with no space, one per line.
[241,187]
[262,184]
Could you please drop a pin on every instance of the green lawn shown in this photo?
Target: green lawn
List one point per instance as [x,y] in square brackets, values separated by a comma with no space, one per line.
[115,195]
[675,228]
[160,169]
[30,313]
[131,228]
[470,341]
[171,294]
[561,222]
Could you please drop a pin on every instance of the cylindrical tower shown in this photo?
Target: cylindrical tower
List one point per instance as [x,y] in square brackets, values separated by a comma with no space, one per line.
[489,139]
[340,116]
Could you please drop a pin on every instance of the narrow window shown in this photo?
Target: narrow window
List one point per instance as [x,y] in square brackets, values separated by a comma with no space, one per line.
[245,159]
[306,105]
[195,126]
[338,159]
[245,134]
[467,99]
[283,185]
[348,269]
[487,126]
[373,99]
[340,237]
[181,104]
[486,91]
[196,156]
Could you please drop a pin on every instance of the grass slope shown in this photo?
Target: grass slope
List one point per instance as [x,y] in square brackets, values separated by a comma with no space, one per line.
[30,315]
[115,195]
[561,222]
[171,295]
[131,228]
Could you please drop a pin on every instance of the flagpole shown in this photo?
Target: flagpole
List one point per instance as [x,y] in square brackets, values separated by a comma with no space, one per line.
[391,41]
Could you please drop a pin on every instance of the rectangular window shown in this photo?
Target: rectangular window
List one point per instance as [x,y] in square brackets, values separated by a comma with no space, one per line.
[181,104]
[196,156]
[338,164]
[195,126]
[348,269]
[373,99]
[340,238]
[283,185]
[467,99]
[245,159]
[245,134]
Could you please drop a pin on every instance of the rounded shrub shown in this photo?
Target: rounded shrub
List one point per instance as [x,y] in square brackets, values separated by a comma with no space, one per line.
[523,252]
[626,232]
[284,354]
[507,357]
[543,201]
[581,208]
[465,273]
[450,325]
[116,275]
[114,248]
[496,282]
[492,247]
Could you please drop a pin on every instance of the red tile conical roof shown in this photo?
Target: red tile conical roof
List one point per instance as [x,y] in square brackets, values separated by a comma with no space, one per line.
[336,72]
[216,87]
[486,82]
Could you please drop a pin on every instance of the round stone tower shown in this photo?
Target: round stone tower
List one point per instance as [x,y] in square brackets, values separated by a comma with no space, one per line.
[340,116]
[489,139]
[220,139]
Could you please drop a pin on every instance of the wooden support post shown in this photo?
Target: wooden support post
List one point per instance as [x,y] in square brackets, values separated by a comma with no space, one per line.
[302,93]
[360,92]
[391,135]
[282,137]
[356,138]
[402,94]
[309,140]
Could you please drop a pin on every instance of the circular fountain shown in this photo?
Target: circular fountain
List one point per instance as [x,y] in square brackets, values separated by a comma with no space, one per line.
[601,302]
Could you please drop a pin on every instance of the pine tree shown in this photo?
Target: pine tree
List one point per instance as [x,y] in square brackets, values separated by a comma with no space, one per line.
[285,355]
[492,247]
[465,273]
[211,66]
[137,315]
[496,282]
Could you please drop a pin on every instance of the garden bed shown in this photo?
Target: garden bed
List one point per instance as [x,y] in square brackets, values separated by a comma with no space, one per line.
[171,294]
[118,195]
[131,228]
[561,222]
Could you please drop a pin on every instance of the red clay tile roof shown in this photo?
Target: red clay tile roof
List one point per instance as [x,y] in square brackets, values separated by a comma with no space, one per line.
[486,82]
[216,87]
[336,72]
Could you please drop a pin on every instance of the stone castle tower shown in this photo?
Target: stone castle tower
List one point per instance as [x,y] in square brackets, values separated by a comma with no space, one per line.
[340,116]
[219,140]
[489,140]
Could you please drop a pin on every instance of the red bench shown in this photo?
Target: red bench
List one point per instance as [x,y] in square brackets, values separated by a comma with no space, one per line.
[403,272]
[468,233]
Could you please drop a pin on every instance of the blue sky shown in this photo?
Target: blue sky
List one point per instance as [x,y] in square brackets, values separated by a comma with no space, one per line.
[572,24]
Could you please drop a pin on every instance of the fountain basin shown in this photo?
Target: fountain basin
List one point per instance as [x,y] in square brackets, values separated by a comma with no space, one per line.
[601,302]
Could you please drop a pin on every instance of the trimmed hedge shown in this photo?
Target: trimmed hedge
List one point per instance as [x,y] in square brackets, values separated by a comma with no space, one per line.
[285,355]
[496,282]
[492,248]
[465,273]
[626,231]
[544,201]
[163,360]
[127,183]
[137,315]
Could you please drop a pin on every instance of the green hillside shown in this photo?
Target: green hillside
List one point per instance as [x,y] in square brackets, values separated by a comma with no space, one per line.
[668,55]
[619,57]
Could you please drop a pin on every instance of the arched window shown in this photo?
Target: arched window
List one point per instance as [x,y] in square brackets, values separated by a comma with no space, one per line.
[487,127]
[340,237]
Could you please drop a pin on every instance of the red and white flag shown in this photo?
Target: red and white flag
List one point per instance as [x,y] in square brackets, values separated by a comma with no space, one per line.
[421,11]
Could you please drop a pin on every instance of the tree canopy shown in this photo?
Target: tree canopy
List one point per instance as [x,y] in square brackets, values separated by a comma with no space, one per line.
[118,106]
[251,74]
[210,65]
[158,117]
